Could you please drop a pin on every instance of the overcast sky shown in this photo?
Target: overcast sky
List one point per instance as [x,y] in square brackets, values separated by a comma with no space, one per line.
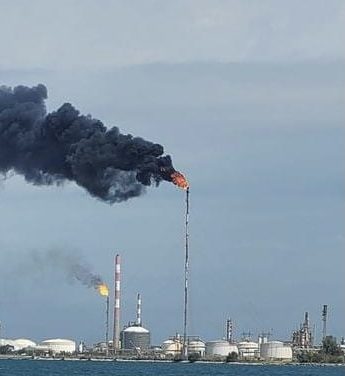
[248,98]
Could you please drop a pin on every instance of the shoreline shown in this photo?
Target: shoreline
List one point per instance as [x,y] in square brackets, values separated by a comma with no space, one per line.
[123,360]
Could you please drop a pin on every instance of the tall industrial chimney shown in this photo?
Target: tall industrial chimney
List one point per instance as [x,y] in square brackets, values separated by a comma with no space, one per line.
[229,331]
[306,320]
[324,321]
[138,310]
[116,336]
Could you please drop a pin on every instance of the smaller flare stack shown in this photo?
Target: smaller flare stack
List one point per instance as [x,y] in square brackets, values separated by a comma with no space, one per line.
[104,291]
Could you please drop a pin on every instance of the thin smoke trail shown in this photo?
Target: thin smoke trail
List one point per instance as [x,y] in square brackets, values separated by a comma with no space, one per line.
[72,267]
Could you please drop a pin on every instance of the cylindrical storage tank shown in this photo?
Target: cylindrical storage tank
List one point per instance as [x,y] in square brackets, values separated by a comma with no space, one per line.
[196,347]
[248,349]
[135,337]
[23,343]
[171,347]
[275,350]
[220,348]
[58,345]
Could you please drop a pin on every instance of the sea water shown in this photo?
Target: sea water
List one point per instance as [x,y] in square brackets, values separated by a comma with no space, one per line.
[90,368]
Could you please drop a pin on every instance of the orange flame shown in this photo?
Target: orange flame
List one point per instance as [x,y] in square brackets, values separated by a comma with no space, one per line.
[179,180]
[103,289]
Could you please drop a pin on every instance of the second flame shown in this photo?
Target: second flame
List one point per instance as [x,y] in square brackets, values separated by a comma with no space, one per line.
[103,289]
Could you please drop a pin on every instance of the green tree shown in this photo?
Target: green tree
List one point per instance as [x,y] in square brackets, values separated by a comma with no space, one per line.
[309,357]
[232,357]
[193,357]
[6,349]
[330,346]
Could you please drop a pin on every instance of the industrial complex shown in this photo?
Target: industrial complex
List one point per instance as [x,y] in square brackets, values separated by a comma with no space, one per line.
[133,341]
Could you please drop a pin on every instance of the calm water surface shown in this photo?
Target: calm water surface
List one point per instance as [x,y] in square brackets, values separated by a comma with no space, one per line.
[68,368]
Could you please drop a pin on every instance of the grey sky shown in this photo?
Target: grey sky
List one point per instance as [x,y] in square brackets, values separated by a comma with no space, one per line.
[248,98]
[90,34]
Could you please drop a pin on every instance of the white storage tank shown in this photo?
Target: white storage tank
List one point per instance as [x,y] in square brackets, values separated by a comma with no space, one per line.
[275,350]
[220,348]
[17,344]
[196,347]
[172,347]
[248,350]
[135,337]
[23,343]
[59,345]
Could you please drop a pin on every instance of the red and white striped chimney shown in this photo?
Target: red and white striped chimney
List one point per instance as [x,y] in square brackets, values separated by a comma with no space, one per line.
[116,338]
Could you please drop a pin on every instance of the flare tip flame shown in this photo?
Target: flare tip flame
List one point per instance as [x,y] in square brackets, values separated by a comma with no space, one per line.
[103,289]
[178,179]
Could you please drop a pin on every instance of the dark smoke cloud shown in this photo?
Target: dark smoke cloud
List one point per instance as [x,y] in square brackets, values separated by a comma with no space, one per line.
[69,264]
[65,145]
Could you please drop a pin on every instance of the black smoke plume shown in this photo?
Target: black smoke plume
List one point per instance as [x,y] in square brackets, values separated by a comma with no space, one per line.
[65,145]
